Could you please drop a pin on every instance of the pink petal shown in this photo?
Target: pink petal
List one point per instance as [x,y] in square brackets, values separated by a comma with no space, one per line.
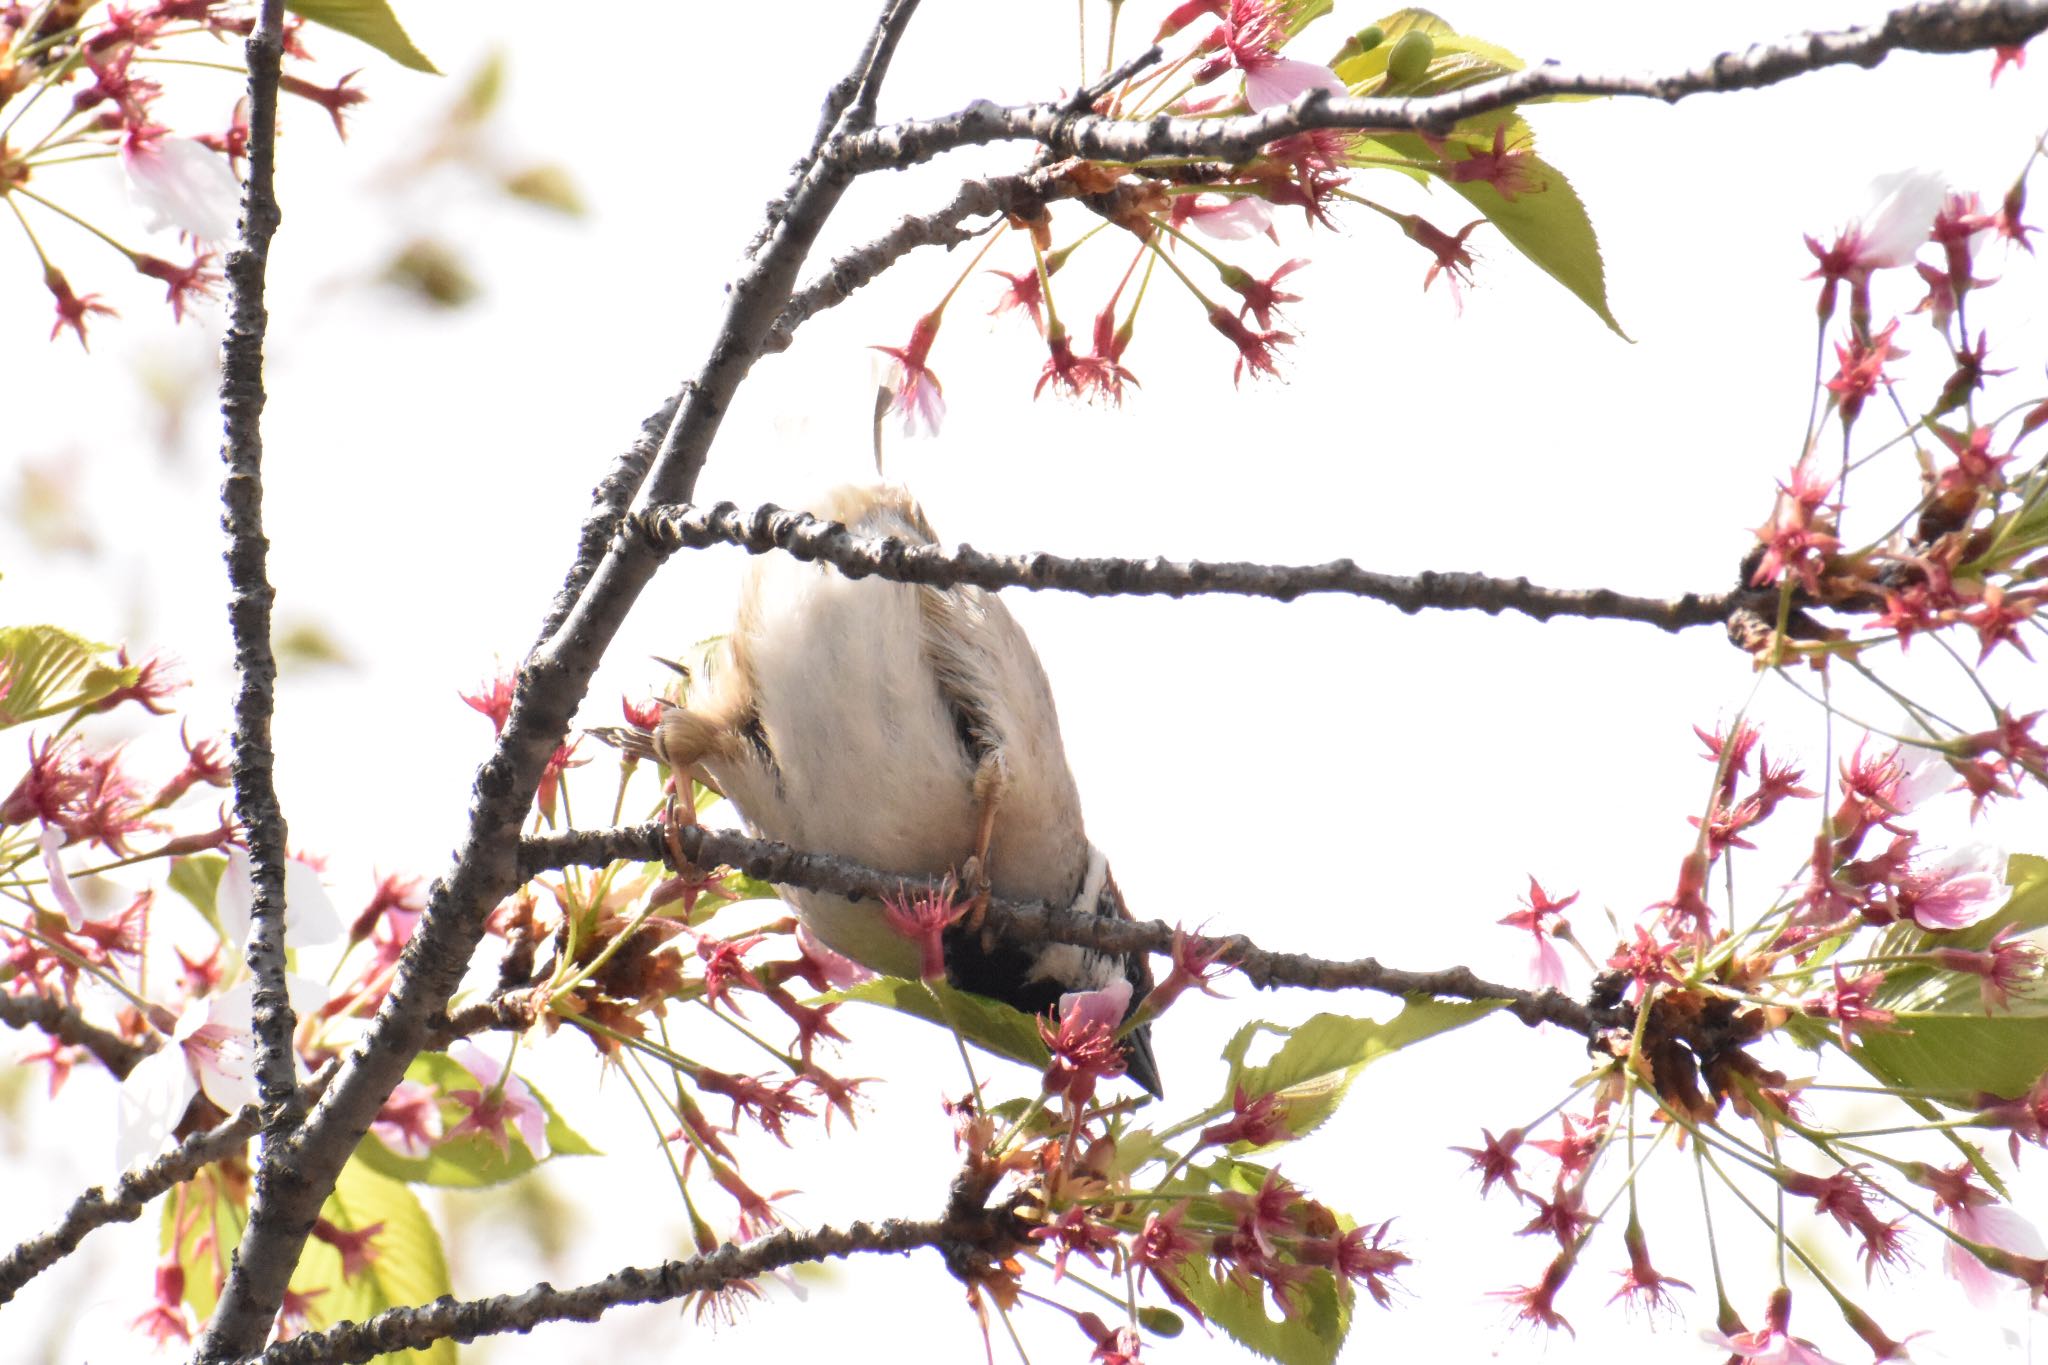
[1281,79]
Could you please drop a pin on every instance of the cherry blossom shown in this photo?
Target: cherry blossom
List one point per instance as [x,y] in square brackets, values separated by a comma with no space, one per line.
[500,1098]
[180,182]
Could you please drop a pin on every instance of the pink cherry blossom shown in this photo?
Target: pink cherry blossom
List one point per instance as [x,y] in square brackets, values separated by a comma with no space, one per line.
[500,1099]
[182,183]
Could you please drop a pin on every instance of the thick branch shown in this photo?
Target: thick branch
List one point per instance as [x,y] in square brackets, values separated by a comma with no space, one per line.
[1932,26]
[250,593]
[131,1195]
[297,1173]
[608,503]
[64,1023]
[905,561]
[401,1329]
[1035,922]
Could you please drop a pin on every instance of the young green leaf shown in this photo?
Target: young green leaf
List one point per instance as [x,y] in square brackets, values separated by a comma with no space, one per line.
[369,21]
[1315,1066]
[988,1024]
[408,1266]
[49,670]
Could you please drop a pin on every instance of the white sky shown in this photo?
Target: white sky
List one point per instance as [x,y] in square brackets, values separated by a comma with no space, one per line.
[1328,775]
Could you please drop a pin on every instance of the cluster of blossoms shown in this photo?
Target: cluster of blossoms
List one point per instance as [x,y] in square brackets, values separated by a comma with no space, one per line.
[148,981]
[1880,956]
[1968,555]
[1922,967]
[81,81]
[1184,216]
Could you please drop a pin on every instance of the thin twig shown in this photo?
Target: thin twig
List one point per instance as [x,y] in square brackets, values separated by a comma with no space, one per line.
[402,1329]
[1036,922]
[1932,26]
[64,1023]
[841,111]
[132,1193]
[907,561]
[250,594]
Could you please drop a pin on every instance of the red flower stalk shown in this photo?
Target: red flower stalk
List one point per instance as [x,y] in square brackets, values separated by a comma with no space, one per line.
[1861,370]
[1261,297]
[354,1245]
[1536,1304]
[1505,168]
[1254,349]
[923,917]
[1361,1256]
[336,99]
[1642,1283]
[1260,1120]
[1495,1160]
[72,309]
[2009,963]
[1083,1042]
[919,397]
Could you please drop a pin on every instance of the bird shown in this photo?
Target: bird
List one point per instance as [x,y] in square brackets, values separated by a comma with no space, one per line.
[911,728]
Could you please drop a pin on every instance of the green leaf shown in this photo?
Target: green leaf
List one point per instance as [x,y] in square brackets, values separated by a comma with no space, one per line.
[196,877]
[1546,222]
[1320,1059]
[988,1024]
[1296,15]
[472,1160]
[1456,61]
[48,671]
[408,1266]
[1548,225]
[369,21]
[549,186]
[1943,1039]
[2020,530]
[1312,1336]
[2003,1054]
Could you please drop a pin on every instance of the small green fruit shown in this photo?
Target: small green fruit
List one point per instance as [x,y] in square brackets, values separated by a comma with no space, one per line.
[1408,62]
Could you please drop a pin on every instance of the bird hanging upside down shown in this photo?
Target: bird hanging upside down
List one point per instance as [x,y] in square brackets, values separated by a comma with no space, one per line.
[909,728]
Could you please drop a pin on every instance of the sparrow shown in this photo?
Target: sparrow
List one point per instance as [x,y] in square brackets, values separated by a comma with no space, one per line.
[909,728]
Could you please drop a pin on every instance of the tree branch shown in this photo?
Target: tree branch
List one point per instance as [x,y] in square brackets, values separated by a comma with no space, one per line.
[905,561]
[250,594]
[132,1194]
[1931,26]
[1036,922]
[401,1329]
[849,105]
[296,1173]
[1023,194]
[64,1023]
[608,504]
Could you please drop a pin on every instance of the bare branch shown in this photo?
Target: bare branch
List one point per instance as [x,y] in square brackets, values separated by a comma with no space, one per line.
[608,503]
[860,111]
[1024,195]
[131,1195]
[848,106]
[905,561]
[401,1329]
[1035,922]
[64,1023]
[1931,26]
[250,594]
[297,1172]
